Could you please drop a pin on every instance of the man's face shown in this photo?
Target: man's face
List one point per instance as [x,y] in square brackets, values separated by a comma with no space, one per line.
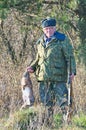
[49,31]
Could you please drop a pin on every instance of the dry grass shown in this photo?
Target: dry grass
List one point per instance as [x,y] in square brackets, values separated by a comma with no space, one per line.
[11,98]
[31,119]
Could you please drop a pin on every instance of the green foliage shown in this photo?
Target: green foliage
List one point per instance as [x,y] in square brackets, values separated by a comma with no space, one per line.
[3,13]
[82,27]
[82,31]
[25,6]
[5,6]
[82,53]
[80,120]
[72,4]
[82,20]
[21,119]
[58,120]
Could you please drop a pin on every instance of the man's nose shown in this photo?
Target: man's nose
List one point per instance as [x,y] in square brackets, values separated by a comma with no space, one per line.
[48,30]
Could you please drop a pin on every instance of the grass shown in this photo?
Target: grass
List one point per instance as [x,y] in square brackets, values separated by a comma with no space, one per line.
[29,119]
[80,120]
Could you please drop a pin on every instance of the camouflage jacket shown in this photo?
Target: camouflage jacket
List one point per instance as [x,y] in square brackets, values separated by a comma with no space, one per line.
[52,61]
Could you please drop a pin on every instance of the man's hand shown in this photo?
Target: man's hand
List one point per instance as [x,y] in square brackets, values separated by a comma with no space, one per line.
[30,69]
[71,77]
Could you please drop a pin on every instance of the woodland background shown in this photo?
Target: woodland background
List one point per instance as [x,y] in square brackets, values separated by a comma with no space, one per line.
[20,27]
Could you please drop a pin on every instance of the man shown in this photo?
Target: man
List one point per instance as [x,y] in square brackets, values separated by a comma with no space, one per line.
[52,65]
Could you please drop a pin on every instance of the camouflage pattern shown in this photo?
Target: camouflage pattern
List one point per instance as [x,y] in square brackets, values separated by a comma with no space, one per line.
[53,93]
[52,61]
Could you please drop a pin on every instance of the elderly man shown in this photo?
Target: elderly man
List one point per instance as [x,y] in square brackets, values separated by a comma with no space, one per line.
[52,65]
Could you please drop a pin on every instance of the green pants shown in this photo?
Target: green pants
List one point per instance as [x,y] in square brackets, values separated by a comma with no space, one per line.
[53,93]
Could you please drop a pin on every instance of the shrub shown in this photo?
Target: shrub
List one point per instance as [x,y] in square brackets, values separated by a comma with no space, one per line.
[80,120]
[58,120]
[21,120]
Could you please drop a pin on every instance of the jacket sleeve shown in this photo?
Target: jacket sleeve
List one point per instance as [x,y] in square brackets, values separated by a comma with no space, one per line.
[68,51]
[34,64]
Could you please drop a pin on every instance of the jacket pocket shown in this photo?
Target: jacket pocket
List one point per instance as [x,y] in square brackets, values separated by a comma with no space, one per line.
[37,70]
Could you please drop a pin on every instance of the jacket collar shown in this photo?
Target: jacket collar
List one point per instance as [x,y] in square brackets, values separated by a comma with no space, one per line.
[57,36]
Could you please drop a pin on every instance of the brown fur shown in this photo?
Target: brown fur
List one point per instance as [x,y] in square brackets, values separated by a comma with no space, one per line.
[26,84]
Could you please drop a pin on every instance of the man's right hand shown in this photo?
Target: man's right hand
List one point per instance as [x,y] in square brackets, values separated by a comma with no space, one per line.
[30,69]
